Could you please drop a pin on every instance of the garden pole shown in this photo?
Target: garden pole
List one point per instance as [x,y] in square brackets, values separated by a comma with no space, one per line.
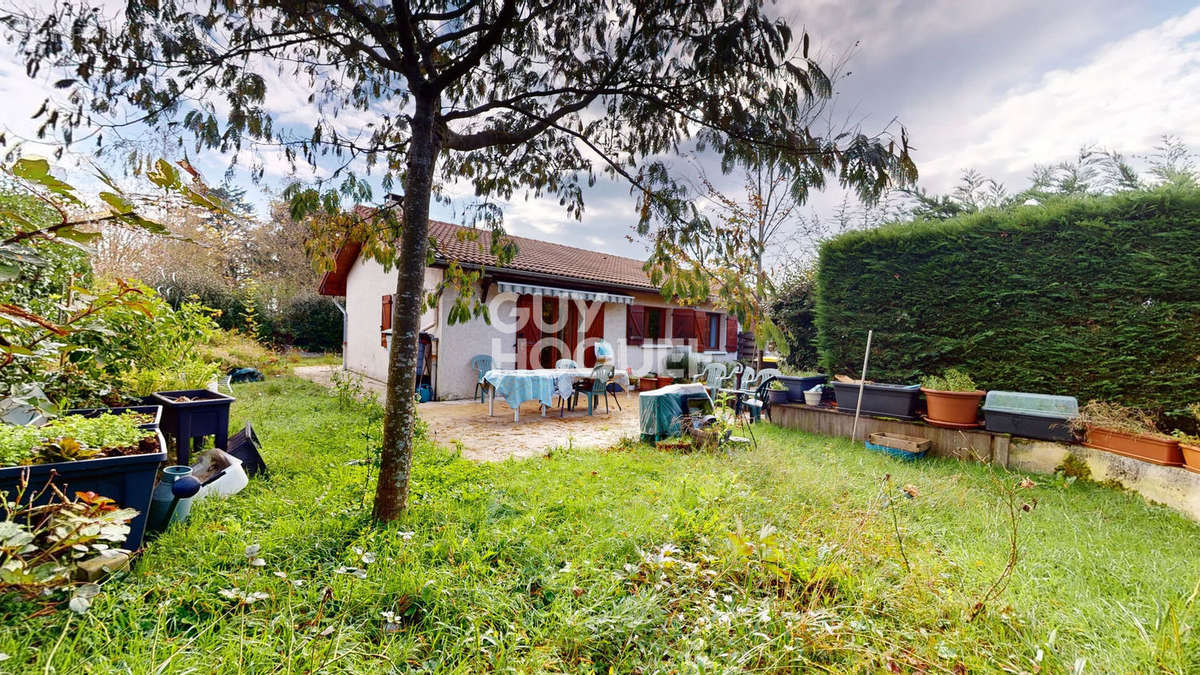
[862,382]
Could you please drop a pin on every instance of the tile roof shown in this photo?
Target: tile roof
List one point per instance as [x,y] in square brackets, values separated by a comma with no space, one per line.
[539,257]
[536,257]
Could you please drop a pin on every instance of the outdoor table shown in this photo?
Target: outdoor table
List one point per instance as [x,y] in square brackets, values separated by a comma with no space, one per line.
[659,410]
[540,384]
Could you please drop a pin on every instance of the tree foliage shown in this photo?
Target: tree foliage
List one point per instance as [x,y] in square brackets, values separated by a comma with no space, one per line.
[503,97]
[74,343]
[1094,297]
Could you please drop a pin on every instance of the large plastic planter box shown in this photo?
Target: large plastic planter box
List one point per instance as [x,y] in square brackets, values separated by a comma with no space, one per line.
[127,480]
[207,415]
[1030,415]
[796,386]
[880,400]
[154,411]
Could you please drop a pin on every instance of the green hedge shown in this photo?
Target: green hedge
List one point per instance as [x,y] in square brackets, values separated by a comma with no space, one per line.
[1097,298]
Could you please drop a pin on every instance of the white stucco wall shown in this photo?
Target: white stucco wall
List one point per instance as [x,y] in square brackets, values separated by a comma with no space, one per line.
[367,283]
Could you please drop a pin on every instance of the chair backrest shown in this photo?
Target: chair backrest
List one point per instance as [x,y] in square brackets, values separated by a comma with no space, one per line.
[601,375]
[713,374]
[747,377]
[760,392]
[565,363]
[768,372]
[481,363]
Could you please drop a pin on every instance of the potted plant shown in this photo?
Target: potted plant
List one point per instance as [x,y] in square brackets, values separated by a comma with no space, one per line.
[1189,444]
[648,382]
[1126,431]
[801,382]
[952,399]
[881,400]
[665,380]
[777,392]
[114,454]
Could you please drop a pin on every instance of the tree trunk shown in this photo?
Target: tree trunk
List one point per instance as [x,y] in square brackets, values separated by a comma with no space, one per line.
[391,493]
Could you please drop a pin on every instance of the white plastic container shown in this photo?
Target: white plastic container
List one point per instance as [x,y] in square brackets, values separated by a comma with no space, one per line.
[220,474]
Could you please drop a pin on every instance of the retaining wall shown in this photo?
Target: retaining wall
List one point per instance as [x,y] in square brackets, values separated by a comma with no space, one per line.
[1175,487]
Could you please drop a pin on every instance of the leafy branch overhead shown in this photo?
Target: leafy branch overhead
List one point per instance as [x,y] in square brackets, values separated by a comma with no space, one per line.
[495,96]
[540,98]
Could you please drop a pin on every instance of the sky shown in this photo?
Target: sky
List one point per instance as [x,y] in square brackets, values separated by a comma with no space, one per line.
[992,86]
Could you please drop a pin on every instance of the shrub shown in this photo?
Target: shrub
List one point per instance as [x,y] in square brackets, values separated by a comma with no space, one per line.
[793,310]
[1096,297]
[117,335]
[312,323]
[233,309]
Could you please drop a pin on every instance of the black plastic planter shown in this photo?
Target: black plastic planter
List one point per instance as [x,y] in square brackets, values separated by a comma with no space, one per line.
[188,422]
[880,400]
[127,480]
[797,385]
[1031,415]
[154,411]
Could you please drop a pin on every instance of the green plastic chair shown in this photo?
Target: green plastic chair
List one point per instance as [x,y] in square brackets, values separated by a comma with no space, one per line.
[601,376]
[481,363]
[712,377]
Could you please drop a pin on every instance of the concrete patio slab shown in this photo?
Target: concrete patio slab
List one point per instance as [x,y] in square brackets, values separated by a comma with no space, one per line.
[496,438]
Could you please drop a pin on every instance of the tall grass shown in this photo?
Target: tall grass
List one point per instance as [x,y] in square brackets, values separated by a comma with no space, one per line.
[783,558]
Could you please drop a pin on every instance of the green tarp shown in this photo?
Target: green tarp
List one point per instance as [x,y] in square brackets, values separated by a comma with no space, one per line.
[659,410]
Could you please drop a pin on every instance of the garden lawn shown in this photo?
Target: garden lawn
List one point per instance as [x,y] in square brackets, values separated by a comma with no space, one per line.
[781,558]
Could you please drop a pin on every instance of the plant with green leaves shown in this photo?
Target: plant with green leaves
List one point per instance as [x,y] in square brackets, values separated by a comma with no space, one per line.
[74,350]
[951,379]
[41,546]
[71,437]
[505,96]
[1093,297]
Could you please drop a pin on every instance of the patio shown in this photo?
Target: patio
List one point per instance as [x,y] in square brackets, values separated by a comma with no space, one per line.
[497,437]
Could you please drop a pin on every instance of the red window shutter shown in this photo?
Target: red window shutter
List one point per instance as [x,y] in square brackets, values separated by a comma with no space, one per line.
[701,321]
[527,332]
[593,333]
[682,325]
[731,334]
[635,325]
[385,320]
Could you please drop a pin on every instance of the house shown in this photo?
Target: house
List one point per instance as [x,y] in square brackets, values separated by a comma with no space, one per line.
[549,302]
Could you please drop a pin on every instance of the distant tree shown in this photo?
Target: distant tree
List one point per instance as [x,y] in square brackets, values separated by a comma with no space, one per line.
[503,95]
[793,310]
[1173,163]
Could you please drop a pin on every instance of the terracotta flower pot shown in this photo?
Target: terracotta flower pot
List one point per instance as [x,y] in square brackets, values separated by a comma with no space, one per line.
[648,384]
[1154,449]
[960,408]
[665,381]
[1191,456]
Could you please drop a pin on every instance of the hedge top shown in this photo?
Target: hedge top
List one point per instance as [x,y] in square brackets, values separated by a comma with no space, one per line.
[1096,297]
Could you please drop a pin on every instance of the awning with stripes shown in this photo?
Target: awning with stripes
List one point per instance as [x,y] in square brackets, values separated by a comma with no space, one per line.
[588,296]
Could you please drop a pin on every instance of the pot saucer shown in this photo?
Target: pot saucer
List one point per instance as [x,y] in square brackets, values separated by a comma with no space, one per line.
[949,425]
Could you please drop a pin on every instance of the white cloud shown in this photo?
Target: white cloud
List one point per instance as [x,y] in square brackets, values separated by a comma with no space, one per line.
[1129,93]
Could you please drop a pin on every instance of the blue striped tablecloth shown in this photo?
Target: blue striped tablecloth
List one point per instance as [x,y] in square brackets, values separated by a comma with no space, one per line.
[518,386]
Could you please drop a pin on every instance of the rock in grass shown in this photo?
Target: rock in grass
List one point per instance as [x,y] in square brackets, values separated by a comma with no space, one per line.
[102,565]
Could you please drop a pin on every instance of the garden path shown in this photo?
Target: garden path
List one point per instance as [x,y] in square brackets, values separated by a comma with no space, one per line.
[497,438]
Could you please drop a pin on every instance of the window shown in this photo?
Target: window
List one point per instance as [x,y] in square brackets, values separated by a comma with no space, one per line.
[714,331]
[655,330]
